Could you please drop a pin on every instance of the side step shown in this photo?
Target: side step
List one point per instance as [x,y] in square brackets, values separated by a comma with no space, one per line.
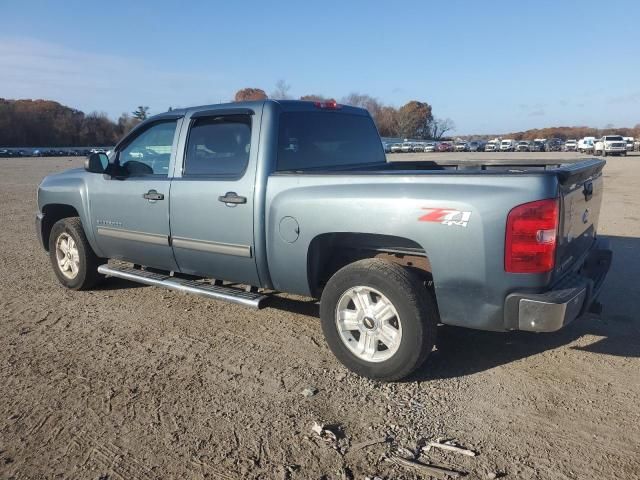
[218,292]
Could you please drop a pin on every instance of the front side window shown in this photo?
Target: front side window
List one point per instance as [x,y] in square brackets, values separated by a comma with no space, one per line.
[149,153]
[218,146]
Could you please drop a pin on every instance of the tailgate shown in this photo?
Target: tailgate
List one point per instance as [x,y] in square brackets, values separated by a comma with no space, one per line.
[581,189]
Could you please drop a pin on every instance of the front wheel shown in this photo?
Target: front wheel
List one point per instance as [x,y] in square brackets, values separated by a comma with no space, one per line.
[379,319]
[74,261]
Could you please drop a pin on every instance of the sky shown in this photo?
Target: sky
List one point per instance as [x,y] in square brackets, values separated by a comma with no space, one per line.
[492,67]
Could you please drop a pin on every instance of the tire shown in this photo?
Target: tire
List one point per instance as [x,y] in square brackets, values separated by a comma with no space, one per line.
[68,246]
[413,317]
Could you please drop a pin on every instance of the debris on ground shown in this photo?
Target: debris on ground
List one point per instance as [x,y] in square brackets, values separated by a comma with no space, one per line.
[450,446]
[309,391]
[368,443]
[425,468]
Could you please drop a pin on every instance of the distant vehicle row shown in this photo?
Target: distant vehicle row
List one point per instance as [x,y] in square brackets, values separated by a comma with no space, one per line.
[49,152]
[607,145]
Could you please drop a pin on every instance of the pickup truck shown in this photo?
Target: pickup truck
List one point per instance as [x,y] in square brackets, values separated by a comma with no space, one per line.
[610,145]
[239,201]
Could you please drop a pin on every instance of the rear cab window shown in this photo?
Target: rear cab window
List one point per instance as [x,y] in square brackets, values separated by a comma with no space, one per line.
[315,140]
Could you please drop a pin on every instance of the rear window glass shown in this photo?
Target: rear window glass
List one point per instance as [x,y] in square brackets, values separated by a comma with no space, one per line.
[327,139]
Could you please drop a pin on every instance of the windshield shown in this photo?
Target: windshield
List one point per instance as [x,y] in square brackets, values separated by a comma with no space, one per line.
[327,139]
[613,138]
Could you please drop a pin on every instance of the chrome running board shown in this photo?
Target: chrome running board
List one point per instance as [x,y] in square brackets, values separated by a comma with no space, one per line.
[217,292]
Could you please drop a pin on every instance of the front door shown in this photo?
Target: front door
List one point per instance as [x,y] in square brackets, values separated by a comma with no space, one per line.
[130,208]
[212,199]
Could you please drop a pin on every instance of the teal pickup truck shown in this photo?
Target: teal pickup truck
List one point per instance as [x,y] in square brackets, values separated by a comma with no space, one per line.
[236,201]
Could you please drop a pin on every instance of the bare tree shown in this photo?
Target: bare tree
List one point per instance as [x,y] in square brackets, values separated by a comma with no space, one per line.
[282,91]
[363,101]
[387,122]
[440,126]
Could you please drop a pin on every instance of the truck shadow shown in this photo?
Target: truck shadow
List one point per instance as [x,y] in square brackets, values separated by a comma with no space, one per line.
[615,332]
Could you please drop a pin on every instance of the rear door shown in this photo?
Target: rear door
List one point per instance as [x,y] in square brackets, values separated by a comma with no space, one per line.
[212,196]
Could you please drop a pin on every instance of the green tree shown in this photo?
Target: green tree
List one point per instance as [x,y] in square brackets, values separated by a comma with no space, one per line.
[141,113]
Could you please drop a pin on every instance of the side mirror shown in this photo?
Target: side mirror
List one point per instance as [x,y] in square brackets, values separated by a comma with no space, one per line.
[96,163]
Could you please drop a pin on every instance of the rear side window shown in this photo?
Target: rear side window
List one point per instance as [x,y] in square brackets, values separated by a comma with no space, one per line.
[309,140]
[218,146]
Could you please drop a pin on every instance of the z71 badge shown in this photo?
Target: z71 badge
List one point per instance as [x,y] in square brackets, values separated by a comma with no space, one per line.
[446,216]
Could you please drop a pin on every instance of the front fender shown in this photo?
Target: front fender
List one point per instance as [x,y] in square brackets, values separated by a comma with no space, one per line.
[68,188]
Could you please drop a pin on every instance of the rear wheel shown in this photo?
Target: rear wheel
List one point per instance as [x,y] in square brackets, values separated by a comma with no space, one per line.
[379,319]
[74,261]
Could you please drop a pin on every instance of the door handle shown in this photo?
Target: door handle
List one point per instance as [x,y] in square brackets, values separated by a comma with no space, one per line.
[232,199]
[153,195]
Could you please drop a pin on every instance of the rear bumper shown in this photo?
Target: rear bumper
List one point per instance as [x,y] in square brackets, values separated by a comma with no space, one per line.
[565,301]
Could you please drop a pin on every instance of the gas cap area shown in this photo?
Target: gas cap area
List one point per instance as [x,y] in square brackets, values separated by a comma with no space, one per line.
[289,229]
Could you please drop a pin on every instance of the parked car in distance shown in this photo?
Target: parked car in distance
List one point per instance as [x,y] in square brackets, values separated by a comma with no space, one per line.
[555,145]
[570,146]
[586,144]
[429,147]
[507,145]
[476,146]
[610,145]
[396,148]
[492,146]
[444,147]
[536,146]
[523,146]
[630,143]
[461,146]
[407,147]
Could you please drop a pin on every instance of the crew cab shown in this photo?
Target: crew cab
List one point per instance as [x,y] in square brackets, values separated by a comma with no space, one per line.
[523,146]
[610,145]
[239,201]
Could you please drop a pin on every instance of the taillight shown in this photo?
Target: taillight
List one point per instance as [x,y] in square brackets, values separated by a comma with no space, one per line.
[328,105]
[532,230]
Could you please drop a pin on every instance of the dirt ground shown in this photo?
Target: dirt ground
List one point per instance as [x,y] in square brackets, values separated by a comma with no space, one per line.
[131,382]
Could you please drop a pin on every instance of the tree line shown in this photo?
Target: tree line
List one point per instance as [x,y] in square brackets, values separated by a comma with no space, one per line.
[45,123]
[576,133]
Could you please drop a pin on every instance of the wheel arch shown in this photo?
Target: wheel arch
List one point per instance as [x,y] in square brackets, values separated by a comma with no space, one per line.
[52,213]
[329,252]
